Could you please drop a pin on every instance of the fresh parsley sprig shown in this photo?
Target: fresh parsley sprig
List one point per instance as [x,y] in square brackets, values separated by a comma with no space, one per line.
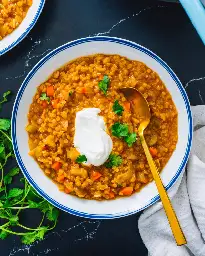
[81,159]
[117,108]
[14,199]
[121,130]
[113,160]
[44,97]
[104,84]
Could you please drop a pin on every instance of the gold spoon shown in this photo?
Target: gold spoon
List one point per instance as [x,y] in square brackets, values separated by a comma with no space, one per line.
[142,110]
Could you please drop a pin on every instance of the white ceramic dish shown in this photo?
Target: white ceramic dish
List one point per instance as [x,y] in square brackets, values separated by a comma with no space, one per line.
[10,41]
[88,208]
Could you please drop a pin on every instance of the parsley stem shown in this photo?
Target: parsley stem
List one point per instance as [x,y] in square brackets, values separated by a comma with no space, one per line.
[42,220]
[27,228]
[52,226]
[6,136]
[16,208]
[26,193]
[15,233]
[2,175]
[6,224]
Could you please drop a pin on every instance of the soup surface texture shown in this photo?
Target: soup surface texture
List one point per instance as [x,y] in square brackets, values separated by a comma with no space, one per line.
[94,82]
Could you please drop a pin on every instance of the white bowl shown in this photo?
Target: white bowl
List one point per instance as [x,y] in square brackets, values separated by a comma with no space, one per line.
[44,186]
[10,41]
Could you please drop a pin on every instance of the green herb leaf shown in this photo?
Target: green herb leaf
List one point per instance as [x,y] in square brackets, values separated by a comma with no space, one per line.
[52,213]
[131,138]
[3,214]
[5,124]
[5,95]
[119,130]
[2,151]
[3,234]
[113,160]
[14,220]
[117,108]
[14,192]
[44,97]
[104,84]
[81,159]
[33,204]
[12,173]
[34,236]
[70,93]
[14,201]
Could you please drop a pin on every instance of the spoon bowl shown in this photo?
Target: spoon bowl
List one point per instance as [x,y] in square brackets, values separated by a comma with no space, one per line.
[141,110]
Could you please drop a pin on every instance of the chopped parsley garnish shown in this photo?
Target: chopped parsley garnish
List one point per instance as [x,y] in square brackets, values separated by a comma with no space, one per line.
[113,160]
[104,84]
[70,93]
[121,131]
[131,138]
[81,159]
[44,97]
[117,108]
[16,201]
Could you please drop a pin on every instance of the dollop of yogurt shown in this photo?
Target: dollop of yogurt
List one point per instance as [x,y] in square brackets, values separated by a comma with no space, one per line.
[91,138]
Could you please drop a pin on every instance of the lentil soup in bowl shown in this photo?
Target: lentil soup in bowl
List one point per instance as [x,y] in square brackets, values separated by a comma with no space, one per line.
[17,17]
[75,136]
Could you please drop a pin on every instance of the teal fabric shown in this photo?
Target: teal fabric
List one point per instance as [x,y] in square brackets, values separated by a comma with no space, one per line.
[196,13]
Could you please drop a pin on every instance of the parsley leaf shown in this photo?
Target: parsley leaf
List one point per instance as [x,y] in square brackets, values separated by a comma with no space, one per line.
[44,97]
[14,192]
[70,93]
[131,138]
[104,84]
[2,151]
[81,158]
[119,130]
[13,201]
[5,124]
[5,98]
[13,220]
[3,234]
[117,108]
[113,160]
[52,213]
[10,174]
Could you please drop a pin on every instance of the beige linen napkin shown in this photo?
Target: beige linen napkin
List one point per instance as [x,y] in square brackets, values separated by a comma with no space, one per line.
[188,199]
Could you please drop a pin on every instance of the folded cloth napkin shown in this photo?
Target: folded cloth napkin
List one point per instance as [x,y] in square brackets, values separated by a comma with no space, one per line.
[188,199]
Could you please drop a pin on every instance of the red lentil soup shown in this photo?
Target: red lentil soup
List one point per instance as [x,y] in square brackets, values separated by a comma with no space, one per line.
[12,13]
[75,86]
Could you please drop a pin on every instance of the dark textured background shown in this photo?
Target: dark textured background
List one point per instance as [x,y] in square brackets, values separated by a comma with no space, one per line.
[162,27]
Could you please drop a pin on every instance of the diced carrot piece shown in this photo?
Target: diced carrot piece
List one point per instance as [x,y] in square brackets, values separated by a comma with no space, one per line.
[54,103]
[83,90]
[127,191]
[111,194]
[127,106]
[50,91]
[56,166]
[95,175]
[44,104]
[153,151]
[68,190]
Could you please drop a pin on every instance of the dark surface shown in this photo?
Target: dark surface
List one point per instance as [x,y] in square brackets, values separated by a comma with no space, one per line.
[162,27]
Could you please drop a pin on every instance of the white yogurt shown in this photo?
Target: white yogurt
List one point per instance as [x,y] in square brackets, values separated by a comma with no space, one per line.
[90,137]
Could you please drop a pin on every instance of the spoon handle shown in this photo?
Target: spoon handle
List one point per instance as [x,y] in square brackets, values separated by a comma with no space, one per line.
[172,218]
